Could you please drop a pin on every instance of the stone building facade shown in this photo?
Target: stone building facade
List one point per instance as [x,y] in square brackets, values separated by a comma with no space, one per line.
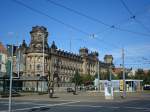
[3,59]
[59,65]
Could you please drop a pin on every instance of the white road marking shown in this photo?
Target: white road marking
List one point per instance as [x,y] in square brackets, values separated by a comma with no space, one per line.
[45,100]
[50,105]
[22,103]
[137,108]
[76,105]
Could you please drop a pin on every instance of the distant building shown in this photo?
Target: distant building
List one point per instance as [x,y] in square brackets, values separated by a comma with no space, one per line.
[3,60]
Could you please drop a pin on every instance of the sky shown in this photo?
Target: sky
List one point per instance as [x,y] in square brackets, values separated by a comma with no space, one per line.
[105,26]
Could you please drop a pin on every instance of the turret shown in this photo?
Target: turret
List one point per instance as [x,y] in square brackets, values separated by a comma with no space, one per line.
[108,59]
[83,51]
[53,46]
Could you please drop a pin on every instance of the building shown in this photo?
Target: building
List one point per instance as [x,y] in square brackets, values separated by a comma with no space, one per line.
[3,60]
[59,65]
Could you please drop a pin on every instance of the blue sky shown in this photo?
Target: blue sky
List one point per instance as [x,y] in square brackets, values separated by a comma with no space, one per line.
[17,21]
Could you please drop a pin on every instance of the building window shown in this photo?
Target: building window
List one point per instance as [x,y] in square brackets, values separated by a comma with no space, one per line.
[39,59]
[38,75]
[38,67]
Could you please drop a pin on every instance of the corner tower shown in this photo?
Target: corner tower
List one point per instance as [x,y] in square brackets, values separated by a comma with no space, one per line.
[37,62]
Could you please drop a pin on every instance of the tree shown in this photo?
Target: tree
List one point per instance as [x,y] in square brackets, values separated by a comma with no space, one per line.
[146,79]
[104,75]
[88,79]
[139,74]
[77,79]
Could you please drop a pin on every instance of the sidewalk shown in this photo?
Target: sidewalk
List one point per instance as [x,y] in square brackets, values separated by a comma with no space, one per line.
[82,96]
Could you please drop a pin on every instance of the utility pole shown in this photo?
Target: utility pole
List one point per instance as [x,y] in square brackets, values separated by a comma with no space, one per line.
[10,84]
[124,83]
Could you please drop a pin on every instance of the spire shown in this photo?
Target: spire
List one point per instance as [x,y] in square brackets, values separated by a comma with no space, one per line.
[24,43]
[53,46]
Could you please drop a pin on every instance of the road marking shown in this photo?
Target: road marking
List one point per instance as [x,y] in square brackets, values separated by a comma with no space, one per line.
[50,105]
[57,100]
[137,108]
[22,103]
[94,106]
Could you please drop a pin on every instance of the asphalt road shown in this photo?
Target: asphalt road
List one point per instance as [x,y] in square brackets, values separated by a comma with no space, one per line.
[142,105]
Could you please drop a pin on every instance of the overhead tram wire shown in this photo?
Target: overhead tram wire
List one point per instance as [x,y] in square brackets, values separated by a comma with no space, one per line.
[50,17]
[59,21]
[77,12]
[99,21]
[133,16]
[96,20]
[139,13]
[67,25]
[56,20]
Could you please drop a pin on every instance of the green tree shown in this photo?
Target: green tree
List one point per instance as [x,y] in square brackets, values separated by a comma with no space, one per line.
[139,74]
[77,80]
[88,79]
[146,79]
[104,75]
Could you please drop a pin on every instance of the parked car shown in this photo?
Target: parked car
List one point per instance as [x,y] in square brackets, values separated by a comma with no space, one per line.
[13,93]
[70,90]
[146,87]
[90,87]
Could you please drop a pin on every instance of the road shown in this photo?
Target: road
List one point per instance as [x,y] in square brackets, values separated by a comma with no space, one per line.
[142,105]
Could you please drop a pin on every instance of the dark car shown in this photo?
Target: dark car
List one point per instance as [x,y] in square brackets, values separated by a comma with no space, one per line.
[6,93]
[70,90]
[146,87]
